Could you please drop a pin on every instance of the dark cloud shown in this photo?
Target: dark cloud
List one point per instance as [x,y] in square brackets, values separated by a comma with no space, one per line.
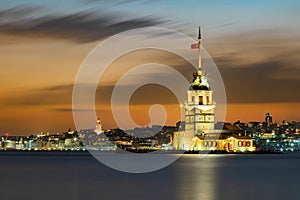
[16,12]
[67,109]
[257,71]
[255,84]
[47,96]
[83,26]
[259,67]
[62,94]
[225,25]
[57,88]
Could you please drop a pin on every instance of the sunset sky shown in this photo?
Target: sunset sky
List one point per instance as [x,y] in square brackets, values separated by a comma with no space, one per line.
[255,44]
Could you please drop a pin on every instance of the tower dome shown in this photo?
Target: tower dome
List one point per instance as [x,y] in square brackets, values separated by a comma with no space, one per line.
[199,82]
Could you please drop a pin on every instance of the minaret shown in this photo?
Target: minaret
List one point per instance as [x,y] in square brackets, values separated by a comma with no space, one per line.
[199,108]
[98,128]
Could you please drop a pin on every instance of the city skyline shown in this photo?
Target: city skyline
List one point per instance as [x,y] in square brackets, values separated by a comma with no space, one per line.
[40,55]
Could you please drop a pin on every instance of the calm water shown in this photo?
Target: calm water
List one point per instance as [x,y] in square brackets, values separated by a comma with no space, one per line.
[49,176]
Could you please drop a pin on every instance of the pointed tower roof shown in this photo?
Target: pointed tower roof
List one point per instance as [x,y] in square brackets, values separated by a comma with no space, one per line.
[199,80]
[199,34]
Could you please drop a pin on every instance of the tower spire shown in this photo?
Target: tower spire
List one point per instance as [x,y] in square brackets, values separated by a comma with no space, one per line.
[199,56]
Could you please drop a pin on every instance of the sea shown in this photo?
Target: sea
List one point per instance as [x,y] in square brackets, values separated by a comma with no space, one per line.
[79,176]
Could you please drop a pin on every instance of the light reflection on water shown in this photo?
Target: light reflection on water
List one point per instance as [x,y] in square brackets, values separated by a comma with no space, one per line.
[55,176]
[197,178]
[246,177]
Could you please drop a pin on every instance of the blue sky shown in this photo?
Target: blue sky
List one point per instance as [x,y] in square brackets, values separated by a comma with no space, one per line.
[242,15]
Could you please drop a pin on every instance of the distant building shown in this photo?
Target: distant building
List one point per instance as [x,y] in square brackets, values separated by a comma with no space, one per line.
[95,139]
[268,119]
[98,128]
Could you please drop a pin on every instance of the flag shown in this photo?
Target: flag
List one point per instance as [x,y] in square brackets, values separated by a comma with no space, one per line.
[195,46]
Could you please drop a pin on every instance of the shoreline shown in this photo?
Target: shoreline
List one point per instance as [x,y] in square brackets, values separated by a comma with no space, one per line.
[145,152]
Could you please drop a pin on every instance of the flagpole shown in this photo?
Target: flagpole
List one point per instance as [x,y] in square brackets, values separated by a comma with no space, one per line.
[199,56]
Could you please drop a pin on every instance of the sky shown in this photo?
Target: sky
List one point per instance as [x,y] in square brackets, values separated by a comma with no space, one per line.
[255,45]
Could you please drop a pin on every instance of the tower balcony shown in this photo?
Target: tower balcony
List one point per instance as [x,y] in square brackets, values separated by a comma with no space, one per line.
[195,103]
[203,107]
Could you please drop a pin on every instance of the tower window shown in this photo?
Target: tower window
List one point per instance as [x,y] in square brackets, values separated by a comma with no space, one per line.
[200,100]
[207,99]
[193,98]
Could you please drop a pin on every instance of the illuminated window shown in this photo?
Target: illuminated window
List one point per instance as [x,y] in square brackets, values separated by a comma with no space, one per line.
[215,143]
[248,143]
[240,143]
[200,100]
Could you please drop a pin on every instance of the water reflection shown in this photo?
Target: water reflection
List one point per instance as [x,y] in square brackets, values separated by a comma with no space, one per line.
[238,177]
[217,177]
[197,177]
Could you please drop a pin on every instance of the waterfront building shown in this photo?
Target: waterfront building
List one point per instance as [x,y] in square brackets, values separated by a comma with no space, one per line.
[199,108]
[229,143]
[10,144]
[199,133]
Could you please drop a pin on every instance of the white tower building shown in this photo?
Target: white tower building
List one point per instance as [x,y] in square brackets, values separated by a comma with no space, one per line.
[98,128]
[199,108]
